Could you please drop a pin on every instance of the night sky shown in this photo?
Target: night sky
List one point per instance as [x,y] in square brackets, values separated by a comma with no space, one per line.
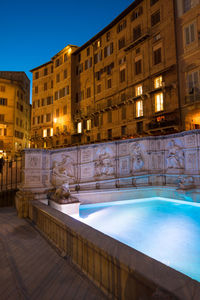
[31,32]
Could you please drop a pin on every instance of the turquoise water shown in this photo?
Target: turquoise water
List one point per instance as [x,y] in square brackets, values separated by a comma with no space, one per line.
[168,231]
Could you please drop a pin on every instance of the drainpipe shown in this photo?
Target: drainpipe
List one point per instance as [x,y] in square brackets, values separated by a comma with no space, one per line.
[177,65]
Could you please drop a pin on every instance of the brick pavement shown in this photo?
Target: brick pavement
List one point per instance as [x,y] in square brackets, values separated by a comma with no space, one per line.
[31,269]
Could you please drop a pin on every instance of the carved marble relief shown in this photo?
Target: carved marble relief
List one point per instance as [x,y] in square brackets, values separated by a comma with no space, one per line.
[104,164]
[63,171]
[33,162]
[137,159]
[175,156]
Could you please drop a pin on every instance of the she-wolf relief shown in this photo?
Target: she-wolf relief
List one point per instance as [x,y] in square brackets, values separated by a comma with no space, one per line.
[104,165]
[63,173]
[137,157]
[175,157]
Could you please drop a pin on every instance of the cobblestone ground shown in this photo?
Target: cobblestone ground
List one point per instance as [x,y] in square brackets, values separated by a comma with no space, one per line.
[31,269]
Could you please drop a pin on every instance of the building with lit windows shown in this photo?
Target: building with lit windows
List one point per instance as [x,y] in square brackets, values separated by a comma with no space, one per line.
[122,83]
[15,112]
[188,45]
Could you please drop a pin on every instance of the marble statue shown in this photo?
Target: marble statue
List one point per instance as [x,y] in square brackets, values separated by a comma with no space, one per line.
[175,157]
[62,174]
[186,183]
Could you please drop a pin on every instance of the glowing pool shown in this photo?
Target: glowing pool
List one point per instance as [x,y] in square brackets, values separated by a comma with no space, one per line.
[165,229]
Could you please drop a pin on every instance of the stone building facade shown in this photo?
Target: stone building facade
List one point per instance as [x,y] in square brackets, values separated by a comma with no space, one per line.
[188,43]
[122,83]
[15,112]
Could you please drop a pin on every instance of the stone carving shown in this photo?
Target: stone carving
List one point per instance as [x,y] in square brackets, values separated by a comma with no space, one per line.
[186,183]
[33,161]
[63,173]
[136,157]
[104,164]
[175,156]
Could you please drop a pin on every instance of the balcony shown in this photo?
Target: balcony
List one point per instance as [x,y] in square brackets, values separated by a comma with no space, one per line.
[192,98]
[145,33]
[163,124]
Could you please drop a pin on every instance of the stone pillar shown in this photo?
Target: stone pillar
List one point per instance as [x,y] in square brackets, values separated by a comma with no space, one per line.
[35,179]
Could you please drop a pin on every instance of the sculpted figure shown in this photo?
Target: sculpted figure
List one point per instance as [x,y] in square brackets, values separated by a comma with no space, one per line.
[186,183]
[175,157]
[62,174]
[104,165]
[137,158]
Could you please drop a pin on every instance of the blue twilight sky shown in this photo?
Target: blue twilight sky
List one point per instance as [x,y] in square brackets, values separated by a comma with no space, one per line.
[31,32]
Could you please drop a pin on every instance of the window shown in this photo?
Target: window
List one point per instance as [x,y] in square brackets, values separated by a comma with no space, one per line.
[121,26]
[42,118]
[109,114]
[88,92]
[186,5]
[49,100]
[79,127]
[98,88]
[123,130]
[65,57]
[139,127]
[45,86]
[193,84]
[137,13]
[65,110]
[109,134]
[138,67]
[139,109]
[88,125]
[98,57]
[155,18]
[108,36]
[57,63]
[38,121]
[97,44]
[79,57]
[158,82]
[79,69]
[65,73]
[51,83]
[45,71]
[88,51]
[108,50]
[157,56]
[122,60]
[98,136]
[121,43]
[189,34]
[51,69]
[58,78]
[36,89]
[3,101]
[109,83]
[152,2]
[158,102]
[36,75]
[57,113]
[3,88]
[123,112]
[48,117]
[122,75]
[2,118]
[3,132]
[137,32]
[138,90]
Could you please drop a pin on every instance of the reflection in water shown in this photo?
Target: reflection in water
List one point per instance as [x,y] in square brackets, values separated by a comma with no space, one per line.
[168,231]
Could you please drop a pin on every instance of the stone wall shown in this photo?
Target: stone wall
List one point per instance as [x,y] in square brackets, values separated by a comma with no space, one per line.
[171,160]
[118,270]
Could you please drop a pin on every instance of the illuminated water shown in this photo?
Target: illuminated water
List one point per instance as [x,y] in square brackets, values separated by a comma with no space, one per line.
[166,230]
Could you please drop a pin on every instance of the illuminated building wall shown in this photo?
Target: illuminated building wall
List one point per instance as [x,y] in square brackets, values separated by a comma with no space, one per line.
[122,83]
[14,112]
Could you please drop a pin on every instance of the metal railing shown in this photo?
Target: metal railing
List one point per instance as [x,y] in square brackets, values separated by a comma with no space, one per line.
[10,178]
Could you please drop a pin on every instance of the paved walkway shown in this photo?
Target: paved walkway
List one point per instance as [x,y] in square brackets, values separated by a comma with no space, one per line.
[31,269]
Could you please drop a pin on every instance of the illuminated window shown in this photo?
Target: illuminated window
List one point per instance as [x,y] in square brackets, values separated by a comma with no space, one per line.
[139,109]
[51,132]
[79,127]
[158,82]
[88,124]
[45,144]
[158,102]
[44,132]
[138,90]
